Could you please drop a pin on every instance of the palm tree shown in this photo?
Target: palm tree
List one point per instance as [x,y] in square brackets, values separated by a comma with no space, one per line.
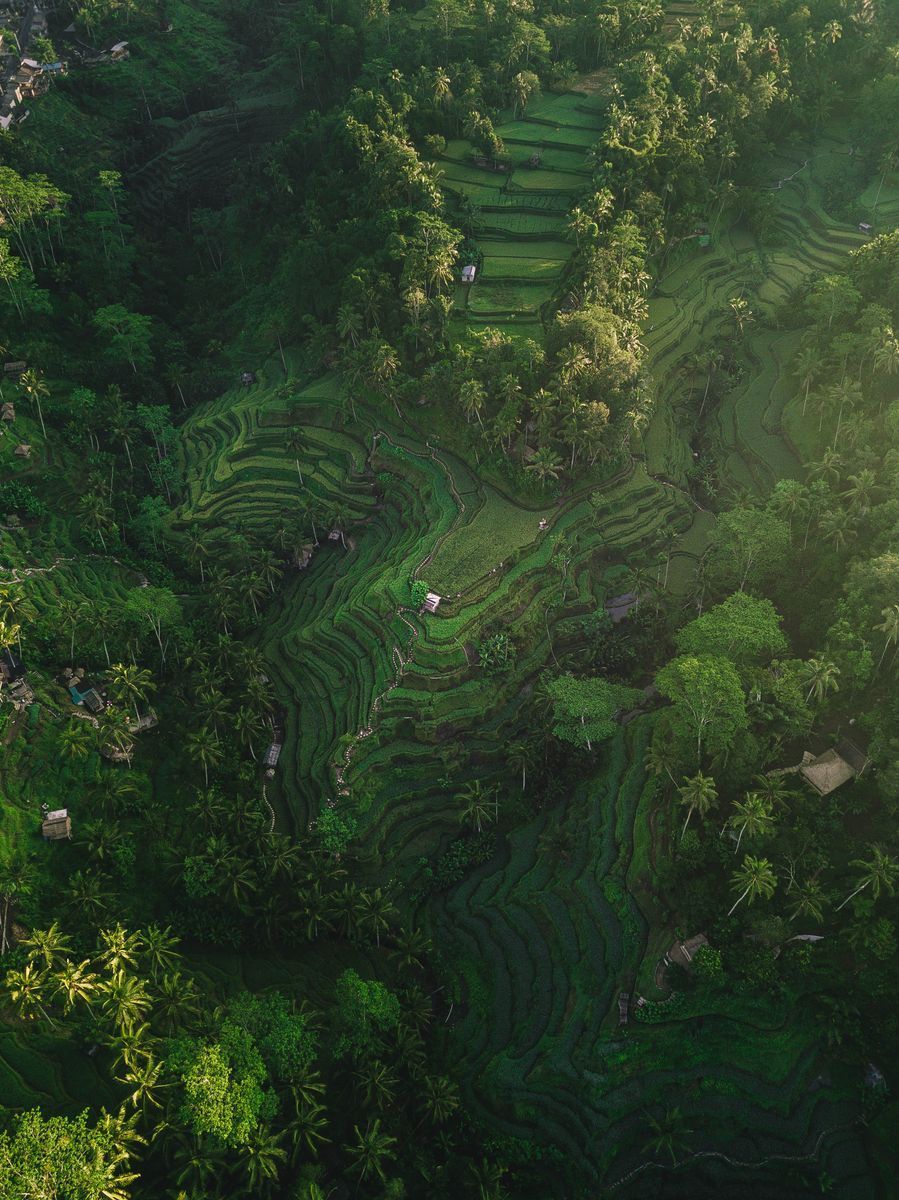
[176,1000]
[481,804]
[837,527]
[77,739]
[307,508]
[130,685]
[668,1133]
[699,794]
[261,1158]
[807,367]
[821,676]
[48,947]
[33,385]
[249,726]
[861,491]
[349,324]
[146,1082]
[197,550]
[741,312]
[71,612]
[74,982]
[370,1151]
[806,900]
[267,565]
[379,1083]
[294,445]
[204,745]
[16,876]
[545,464]
[159,949]
[879,874]
[26,990]
[753,879]
[519,756]
[125,1000]
[441,1097]
[889,627]
[377,912]
[339,517]
[410,948]
[120,948]
[753,816]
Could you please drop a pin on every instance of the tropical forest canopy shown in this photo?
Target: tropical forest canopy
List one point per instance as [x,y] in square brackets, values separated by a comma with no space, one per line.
[449,599]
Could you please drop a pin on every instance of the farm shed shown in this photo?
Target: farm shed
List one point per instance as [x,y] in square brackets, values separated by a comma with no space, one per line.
[56,825]
[468,273]
[8,411]
[681,953]
[432,602]
[272,754]
[624,1003]
[830,770]
[23,450]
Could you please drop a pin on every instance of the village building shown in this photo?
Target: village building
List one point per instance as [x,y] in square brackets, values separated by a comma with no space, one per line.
[23,450]
[432,602]
[468,273]
[272,754]
[56,825]
[681,954]
[15,369]
[8,411]
[830,770]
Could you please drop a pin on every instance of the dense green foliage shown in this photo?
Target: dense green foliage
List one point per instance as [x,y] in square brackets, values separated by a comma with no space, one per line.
[354,886]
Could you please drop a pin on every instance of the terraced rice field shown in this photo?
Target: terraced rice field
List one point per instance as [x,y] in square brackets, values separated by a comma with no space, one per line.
[376,692]
[690,304]
[523,213]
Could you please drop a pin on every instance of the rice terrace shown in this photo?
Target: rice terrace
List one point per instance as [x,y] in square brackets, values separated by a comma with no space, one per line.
[449,599]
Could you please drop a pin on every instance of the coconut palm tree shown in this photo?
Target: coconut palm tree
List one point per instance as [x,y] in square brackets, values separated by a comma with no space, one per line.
[378,909]
[35,388]
[339,517]
[806,900]
[751,815]
[481,804]
[197,550]
[668,1133]
[879,873]
[124,999]
[130,684]
[249,726]
[16,876]
[176,1000]
[370,1151]
[295,445]
[378,1083]
[519,757]
[158,949]
[837,527]
[27,990]
[889,627]
[75,982]
[545,464]
[821,676]
[441,1097]
[753,879]
[261,1158]
[120,949]
[48,948]
[77,739]
[698,794]
[205,746]
[145,1079]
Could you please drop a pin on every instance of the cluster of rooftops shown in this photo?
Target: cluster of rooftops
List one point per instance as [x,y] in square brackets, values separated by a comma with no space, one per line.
[23,76]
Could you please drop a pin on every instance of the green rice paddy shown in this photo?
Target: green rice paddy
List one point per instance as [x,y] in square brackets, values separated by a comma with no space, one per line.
[540,948]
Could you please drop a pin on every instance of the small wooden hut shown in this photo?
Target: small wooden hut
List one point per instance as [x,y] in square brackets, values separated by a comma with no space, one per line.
[56,825]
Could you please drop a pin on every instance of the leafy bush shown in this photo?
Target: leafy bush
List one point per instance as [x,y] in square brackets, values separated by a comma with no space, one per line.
[336,829]
[19,497]
[418,590]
